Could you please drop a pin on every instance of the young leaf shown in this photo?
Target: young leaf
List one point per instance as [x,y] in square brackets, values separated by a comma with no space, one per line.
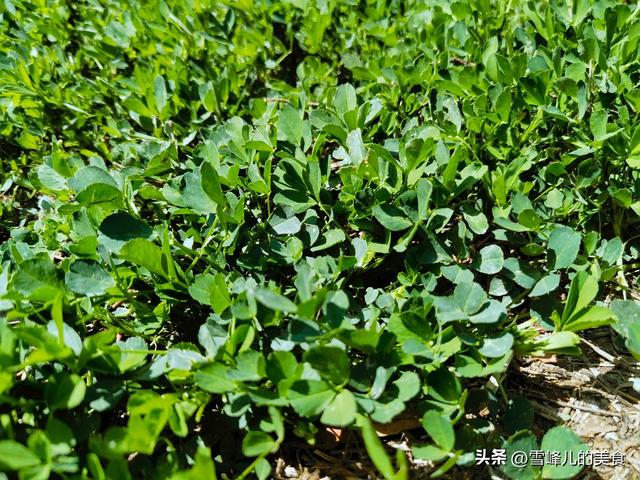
[439,429]
[341,411]
[160,93]
[257,443]
[374,447]
[564,440]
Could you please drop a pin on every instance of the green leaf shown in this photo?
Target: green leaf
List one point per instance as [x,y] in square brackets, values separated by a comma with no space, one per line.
[496,347]
[130,355]
[273,300]
[375,449]
[213,378]
[594,317]
[391,218]
[468,297]
[408,386]
[627,323]
[289,226]
[88,278]
[564,244]
[598,124]
[250,367]
[281,365]
[256,443]
[424,188]
[160,93]
[524,442]
[345,99]
[439,429]
[582,292]
[290,124]
[51,179]
[329,239]
[563,440]
[386,412]
[613,250]
[519,272]
[144,253]
[561,342]
[15,456]
[546,284]
[341,411]
[429,453]
[529,218]
[490,260]
[263,469]
[65,391]
[94,185]
[211,184]
[91,175]
[203,467]
[493,312]
[332,363]
[37,279]
[211,290]
[476,220]
[310,397]
[119,228]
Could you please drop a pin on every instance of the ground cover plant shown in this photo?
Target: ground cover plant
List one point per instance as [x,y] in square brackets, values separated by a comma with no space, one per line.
[230,224]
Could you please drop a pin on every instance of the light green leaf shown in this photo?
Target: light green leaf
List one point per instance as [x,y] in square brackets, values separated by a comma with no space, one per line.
[290,124]
[329,239]
[37,279]
[211,290]
[274,301]
[144,253]
[490,260]
[341,411]
[310,397]
[213,378]
[375,449]
[15,456]
[496,347]
[469,297]
[160,93]
[88,278]
[594,317]
[583,290]
[439,429]
[561,439]
[564,244]
[546,284]
[257,443]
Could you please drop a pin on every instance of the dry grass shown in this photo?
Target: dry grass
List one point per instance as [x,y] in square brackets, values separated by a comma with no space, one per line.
[592,394]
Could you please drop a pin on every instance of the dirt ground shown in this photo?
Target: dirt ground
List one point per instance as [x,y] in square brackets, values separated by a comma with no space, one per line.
[592,394]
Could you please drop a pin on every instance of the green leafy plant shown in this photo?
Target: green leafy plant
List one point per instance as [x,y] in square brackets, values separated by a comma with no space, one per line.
[226,225]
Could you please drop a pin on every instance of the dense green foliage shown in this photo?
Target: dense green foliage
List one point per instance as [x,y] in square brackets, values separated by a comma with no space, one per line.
[226,224]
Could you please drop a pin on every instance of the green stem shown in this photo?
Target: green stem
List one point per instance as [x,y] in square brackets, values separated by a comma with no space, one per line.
[207,239]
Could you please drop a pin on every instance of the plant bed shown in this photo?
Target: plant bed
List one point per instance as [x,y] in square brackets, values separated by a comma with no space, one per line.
[335,238]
